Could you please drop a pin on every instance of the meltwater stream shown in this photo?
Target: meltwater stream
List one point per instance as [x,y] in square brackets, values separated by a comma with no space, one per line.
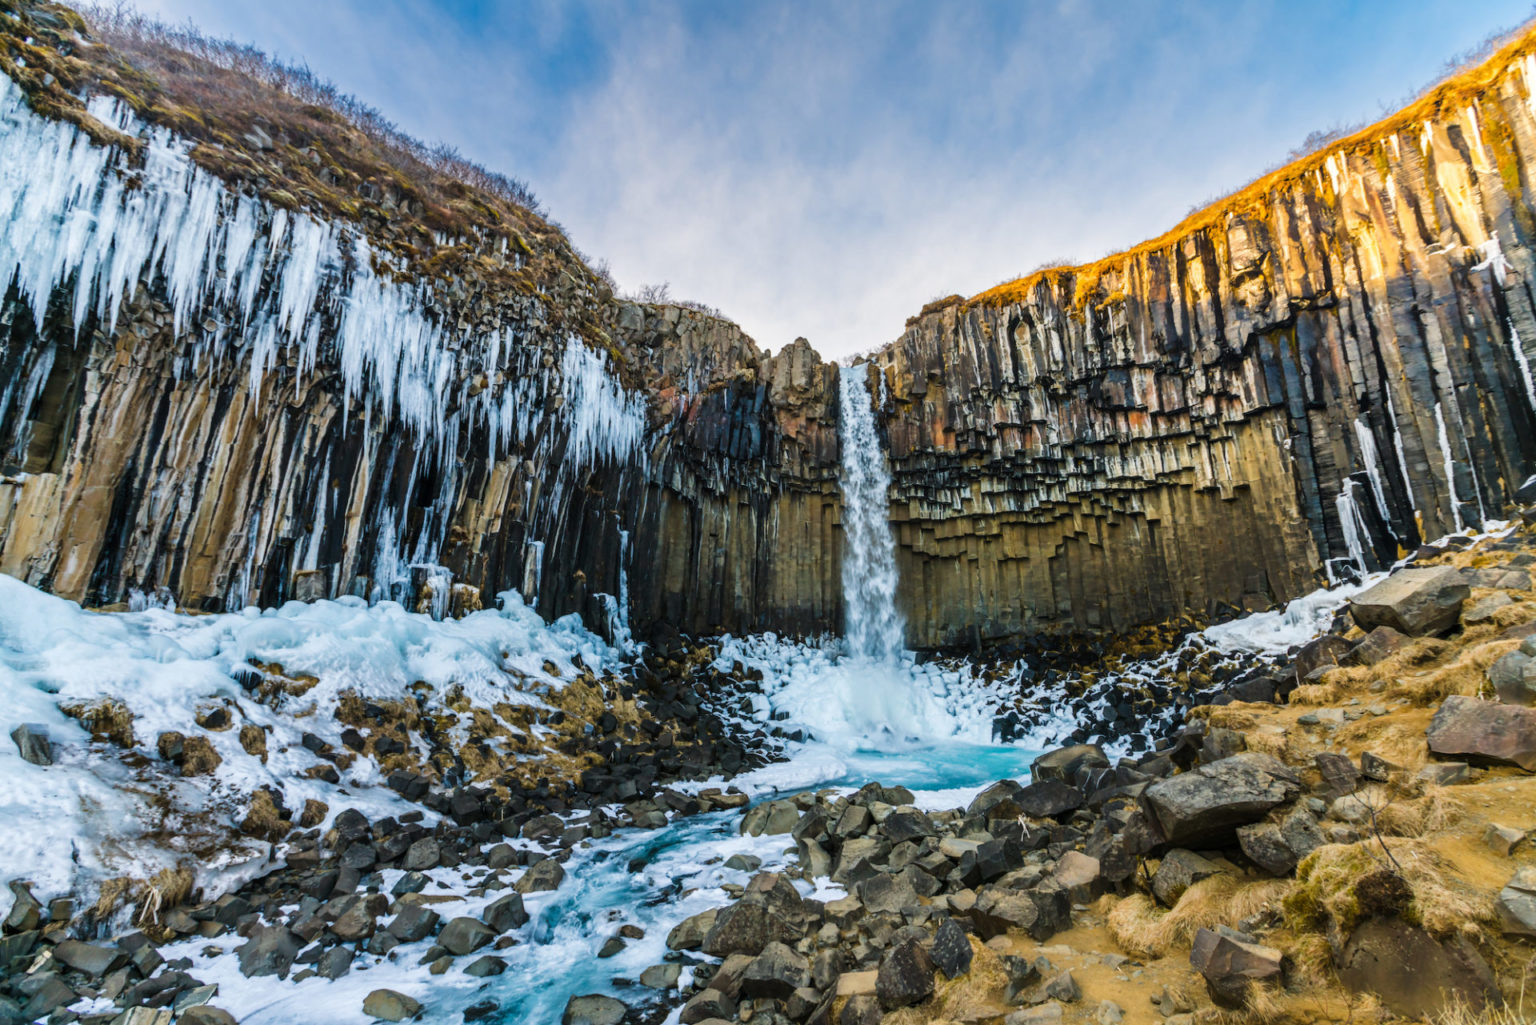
[870,713]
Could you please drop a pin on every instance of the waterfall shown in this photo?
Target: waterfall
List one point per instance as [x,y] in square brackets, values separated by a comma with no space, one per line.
[873,627]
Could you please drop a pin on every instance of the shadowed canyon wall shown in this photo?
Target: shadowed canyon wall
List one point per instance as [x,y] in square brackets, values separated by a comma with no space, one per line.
[237,391]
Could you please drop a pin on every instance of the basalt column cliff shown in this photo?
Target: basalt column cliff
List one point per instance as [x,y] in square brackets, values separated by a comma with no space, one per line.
[1296,383]
[248,357]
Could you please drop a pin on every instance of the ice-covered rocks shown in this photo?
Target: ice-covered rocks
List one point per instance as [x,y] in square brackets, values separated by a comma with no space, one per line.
[32,742]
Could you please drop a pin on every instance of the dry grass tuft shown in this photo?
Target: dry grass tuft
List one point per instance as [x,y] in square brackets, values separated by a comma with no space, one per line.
[1339,884]
[1463,675]
[1144,931]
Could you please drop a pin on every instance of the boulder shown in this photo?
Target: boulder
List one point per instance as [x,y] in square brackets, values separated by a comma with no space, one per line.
[202,1014]
[414,922]
[1484,732]
[1503,840]
[661,976]
[705,1005]
[1062,986]
[485,967]
[1179,870]
[1040,912]
[92,959]
[886,893]
[997,801]
[1204,806]
[1278,844]
[951,951]
[1230,965]
[1517,905]
[423,854]
[690,932]
[388,1005]
[770,910]
[506,913]
[1078,874]
[1049,1013]
[1377,645]
[268,950]
[334,963]
[464,935]
[1414,974]
[1064,763]
[905,976]
[541,876]
[26,911]
[32,742]
[1320,653]
[1416,602]
[595,1009]
[777,972]
[1048,798]
[1513,678]
[770,818]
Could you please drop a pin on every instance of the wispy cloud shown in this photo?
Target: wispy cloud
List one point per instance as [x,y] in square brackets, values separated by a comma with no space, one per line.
[824,169]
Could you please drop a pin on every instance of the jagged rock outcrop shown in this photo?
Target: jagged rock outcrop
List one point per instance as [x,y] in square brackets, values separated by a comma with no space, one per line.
[738,526]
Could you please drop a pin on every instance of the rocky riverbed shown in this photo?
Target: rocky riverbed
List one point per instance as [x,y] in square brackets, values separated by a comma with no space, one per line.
[1317,817]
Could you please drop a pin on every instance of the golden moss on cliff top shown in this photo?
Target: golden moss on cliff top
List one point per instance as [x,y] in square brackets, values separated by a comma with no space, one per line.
[1455,92]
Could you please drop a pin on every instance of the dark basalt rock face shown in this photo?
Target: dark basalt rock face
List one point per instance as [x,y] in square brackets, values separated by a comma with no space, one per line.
[1309,376]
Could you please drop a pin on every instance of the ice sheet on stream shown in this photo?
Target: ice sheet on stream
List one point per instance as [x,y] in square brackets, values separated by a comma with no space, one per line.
[83,819]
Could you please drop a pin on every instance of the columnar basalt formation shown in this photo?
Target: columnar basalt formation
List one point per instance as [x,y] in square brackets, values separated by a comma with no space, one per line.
[1327,367]
[253,360]
[738,528]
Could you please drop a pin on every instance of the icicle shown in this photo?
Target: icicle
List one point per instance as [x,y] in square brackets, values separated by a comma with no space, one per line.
[1444,441]
[1352,526]
[1493,259]
[604,421]
[1402,458]
[1372,460]
[1521,361]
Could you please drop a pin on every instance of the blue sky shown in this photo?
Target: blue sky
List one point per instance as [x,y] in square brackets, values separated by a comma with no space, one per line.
[823,169]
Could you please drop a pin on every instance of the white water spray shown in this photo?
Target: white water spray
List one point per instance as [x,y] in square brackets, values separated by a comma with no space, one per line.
[874,627]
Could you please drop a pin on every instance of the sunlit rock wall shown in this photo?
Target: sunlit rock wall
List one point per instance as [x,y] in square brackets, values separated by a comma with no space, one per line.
[1290,388]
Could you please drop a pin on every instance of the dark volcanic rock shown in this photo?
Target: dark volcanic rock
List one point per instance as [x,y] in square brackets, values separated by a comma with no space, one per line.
[269,950]
[1416,602]
[1231,965]
[1203,807]
[1484,732]
[951,951]
[1414,974]
[905,976]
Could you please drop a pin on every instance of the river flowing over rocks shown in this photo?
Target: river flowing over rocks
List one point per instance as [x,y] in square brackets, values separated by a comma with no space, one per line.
[397,625]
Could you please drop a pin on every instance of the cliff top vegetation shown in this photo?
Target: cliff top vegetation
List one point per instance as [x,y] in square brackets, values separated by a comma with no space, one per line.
[293,138]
